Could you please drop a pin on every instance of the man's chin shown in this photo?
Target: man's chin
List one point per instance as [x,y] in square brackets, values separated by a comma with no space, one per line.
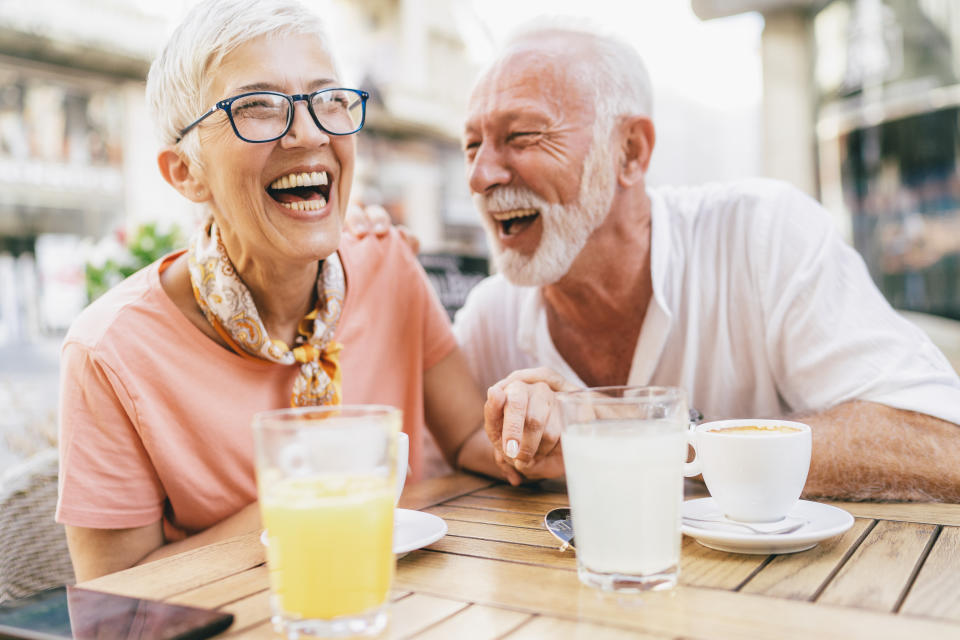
[528,271]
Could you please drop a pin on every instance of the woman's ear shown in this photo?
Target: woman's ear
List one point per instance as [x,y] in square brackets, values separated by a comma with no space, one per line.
[636,146]
[176,169]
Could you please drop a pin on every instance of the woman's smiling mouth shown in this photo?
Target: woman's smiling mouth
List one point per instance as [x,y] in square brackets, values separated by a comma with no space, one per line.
[301,191]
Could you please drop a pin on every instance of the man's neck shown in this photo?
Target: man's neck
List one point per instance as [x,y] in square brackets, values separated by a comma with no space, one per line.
[595,312]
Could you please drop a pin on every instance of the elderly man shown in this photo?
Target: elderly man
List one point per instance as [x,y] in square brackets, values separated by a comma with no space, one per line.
[743,293]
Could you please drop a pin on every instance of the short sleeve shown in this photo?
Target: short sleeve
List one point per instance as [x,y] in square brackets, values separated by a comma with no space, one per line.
[107,480]
[438,340]
[831,336]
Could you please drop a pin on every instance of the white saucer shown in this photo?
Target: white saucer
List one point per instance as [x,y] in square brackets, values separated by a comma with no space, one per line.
[415,529]
[411,530]
[824,521]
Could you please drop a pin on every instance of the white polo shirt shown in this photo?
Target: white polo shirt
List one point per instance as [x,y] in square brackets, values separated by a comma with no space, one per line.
[760,309]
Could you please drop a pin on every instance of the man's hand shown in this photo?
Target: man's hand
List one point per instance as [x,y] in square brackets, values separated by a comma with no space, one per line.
[522,421]
[374,219]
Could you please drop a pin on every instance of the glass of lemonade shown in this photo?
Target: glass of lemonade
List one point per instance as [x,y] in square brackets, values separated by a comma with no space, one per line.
[326,480]
[624,449]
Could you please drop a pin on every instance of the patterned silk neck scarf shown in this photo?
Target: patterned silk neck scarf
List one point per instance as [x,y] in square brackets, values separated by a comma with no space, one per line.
[229,308]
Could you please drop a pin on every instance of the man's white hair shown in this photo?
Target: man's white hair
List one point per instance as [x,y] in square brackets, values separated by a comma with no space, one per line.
[181,75]
[615,72]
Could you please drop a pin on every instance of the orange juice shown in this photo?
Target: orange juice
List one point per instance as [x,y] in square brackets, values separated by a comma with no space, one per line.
[330,550]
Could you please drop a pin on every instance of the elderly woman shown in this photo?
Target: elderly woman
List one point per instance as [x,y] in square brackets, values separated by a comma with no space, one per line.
[266,308]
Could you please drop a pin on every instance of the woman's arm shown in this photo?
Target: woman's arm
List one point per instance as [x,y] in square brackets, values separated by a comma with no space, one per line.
[97,552]
[453,405]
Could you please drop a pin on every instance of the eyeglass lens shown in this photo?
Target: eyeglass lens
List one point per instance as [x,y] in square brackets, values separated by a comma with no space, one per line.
[264,116]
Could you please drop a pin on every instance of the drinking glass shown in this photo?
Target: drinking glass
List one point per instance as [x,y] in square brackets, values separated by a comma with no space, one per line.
[326,478]
[624,450]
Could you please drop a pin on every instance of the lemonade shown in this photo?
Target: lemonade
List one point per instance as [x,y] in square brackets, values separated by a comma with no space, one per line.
[330,551]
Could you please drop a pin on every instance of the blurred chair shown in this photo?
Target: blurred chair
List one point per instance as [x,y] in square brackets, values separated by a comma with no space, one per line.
[944,332]
[33,548]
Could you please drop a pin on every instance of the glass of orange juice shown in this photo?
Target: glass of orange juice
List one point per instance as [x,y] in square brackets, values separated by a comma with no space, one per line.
[326,480]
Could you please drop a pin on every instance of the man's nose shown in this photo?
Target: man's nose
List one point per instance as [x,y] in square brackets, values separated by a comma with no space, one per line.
[303,130]
[488,169]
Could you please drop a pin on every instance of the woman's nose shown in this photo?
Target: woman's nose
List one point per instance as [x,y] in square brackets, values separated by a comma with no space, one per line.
[304,130]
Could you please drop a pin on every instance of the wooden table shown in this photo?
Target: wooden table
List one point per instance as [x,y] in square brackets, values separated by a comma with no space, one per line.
[499,573]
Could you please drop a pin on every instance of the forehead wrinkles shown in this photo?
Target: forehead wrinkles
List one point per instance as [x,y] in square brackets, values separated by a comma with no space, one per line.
[532,79]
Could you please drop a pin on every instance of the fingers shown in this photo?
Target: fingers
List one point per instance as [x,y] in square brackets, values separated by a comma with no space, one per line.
[511,474]
[379,219]
[514,419]
[535,440]
[551,378]
[493,415]
[362,220]
[356,221]
[412,241]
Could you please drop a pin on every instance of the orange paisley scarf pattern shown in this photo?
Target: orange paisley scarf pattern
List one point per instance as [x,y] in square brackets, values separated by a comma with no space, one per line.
[229,307]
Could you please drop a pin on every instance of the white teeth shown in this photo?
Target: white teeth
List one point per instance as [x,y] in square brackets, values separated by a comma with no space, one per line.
[289,181]
[500,216]
[306,205]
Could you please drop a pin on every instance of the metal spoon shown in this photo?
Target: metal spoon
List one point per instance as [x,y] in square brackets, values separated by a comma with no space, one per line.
[558,523]
[788,525]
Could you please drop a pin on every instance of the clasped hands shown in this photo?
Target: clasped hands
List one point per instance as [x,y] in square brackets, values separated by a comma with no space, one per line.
[522,420]
[520,417]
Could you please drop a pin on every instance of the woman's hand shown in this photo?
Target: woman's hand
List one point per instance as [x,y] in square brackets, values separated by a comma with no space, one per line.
[522,421]
[374,219]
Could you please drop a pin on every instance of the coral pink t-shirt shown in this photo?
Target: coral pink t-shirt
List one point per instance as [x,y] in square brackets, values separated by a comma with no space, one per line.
[155,417]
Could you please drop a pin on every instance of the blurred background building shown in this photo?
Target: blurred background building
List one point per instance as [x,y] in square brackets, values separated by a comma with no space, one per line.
[861,108]
[854,101]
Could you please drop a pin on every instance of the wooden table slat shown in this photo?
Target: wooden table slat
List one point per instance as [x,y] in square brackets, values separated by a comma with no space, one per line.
[418,612]
[926,513]
[216,594]
[507,551]
[529,507]
[683,611]
[536,537]
[936,591]
[800,576]
[436,490]
[185,571]
[878,572]
[557,629]
[701,566]
[476,622]
[530,521]
[250,611]
[499,573]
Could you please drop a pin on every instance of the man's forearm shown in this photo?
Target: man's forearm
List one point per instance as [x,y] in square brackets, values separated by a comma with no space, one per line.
[863,451]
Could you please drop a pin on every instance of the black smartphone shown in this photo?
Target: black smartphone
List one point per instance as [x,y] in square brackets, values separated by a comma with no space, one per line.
[82,614]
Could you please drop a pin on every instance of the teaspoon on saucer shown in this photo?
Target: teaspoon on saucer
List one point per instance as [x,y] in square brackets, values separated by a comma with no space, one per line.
[787,525]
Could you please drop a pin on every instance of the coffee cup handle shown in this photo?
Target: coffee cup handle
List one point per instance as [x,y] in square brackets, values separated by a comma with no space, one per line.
[694,467]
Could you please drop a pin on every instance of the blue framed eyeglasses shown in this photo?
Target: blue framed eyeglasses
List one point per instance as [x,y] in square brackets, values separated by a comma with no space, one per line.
[265,116]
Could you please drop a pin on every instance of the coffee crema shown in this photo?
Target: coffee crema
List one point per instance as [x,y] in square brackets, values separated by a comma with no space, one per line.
[757,429]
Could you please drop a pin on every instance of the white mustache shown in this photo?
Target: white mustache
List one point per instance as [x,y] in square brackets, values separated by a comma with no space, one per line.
[508,199]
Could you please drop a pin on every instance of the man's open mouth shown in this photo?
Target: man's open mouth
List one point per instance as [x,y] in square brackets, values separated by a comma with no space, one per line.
[515,221]
[306,191]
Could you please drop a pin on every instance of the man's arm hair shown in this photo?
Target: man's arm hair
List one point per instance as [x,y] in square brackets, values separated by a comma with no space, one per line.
[868,451]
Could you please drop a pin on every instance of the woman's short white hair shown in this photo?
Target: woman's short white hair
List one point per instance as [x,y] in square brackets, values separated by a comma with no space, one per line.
[615,72]
[182,73]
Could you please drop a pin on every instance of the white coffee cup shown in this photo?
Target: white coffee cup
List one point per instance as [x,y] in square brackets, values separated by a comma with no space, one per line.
[403,455]
[755,470]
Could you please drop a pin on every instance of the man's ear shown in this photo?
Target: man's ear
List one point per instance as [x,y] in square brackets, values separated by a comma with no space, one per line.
[637,138]
[176,169]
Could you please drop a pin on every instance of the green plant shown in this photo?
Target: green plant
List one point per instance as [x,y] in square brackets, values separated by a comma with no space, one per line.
[120,254]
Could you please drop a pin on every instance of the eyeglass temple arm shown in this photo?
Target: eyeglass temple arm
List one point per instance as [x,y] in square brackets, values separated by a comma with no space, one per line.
[209,112]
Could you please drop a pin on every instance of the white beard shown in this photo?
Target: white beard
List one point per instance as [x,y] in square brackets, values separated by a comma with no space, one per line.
[566,227]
